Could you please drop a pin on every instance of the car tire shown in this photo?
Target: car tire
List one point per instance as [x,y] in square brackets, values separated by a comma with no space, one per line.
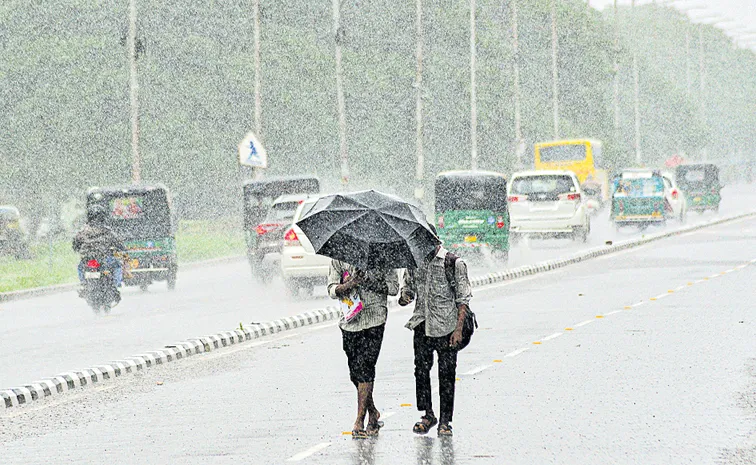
[500,257]
[171,281]
[292,287]
[514,238]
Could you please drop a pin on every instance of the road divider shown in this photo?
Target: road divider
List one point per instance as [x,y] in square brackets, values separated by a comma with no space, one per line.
[49,387]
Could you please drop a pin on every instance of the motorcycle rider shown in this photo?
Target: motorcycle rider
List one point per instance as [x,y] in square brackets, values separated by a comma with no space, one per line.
[97,240]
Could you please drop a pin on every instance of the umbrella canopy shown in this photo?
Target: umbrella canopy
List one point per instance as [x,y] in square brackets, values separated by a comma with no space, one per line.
[369,230]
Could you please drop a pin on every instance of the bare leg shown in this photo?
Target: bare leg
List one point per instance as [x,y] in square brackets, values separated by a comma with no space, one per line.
[364,392]
[374,414]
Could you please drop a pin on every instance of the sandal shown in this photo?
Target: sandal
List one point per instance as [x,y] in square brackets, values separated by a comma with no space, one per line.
[445,429]
[424,425]
[373,428]
[359,434]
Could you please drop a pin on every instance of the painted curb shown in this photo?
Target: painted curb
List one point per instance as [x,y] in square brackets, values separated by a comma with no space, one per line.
[59,288]
[49,387]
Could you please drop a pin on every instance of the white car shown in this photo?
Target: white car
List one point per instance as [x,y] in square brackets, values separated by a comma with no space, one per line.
[301,268]
[675,198]
[547,204]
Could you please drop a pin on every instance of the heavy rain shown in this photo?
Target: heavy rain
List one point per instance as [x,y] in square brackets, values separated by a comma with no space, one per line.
[377,232]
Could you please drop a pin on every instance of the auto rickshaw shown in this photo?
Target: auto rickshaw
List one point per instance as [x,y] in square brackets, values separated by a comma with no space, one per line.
[700,184]
[258,197]
[141,215]
[12,237]
[638,199]
[471,211]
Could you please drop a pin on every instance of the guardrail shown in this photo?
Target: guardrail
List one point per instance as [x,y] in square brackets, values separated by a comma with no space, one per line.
[68,381]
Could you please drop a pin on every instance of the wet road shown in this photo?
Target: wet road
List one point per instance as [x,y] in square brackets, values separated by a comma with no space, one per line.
[45,336]
[656,367]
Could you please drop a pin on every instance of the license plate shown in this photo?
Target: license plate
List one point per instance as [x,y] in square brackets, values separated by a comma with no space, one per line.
[91,275]
[697,199]
[471,238]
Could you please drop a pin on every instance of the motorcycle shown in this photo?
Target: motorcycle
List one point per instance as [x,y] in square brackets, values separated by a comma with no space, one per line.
[99,286]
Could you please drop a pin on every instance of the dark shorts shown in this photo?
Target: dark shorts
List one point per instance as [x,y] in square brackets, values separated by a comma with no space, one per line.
[362,349]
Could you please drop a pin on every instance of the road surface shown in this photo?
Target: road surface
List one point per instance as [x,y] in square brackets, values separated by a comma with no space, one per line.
[658,366]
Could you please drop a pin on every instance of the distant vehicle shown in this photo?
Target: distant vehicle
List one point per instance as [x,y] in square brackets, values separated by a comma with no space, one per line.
[638,198]
[141,215]
[98,285]
[547,204]
[581,156]
[471,211]
[301,267]
[676,206]
[701,185]
[258,196]
[266,253]
[12,237]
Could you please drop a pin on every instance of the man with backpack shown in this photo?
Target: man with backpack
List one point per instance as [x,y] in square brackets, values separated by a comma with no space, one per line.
[442,291]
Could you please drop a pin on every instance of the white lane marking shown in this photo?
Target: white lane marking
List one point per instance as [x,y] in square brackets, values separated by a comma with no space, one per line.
[660,296]
[517,352]
[583,323]
[477,370]
[699,281]
[312,450]
[612,313]
[714,276]
[680,288]
[553,336]
[642,302]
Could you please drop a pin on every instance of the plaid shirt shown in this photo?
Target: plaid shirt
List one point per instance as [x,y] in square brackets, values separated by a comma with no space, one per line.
[375,308]
[436,304]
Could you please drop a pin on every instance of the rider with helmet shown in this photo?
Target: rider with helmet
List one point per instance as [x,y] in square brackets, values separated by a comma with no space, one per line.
[97,240]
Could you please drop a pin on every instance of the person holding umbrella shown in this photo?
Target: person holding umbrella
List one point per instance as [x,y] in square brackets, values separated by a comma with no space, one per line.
[362,333]
[368,235]
[437,325]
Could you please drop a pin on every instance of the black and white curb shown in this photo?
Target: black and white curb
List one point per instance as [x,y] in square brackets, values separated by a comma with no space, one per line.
[73,380]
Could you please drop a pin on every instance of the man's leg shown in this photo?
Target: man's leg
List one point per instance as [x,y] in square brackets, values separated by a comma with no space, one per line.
[364,392]
[423,365]
[447,375]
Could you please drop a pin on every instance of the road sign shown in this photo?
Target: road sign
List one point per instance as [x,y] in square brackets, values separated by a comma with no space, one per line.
[252,153]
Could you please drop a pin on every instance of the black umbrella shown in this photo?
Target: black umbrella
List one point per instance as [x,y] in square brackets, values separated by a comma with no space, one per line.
[369,230]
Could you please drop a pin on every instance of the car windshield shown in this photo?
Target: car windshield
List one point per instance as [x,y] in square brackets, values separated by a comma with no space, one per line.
[282,212]
[697,177]
[553,185]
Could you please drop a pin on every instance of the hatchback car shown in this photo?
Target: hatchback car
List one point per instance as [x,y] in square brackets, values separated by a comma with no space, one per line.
[301,268]
[547,204]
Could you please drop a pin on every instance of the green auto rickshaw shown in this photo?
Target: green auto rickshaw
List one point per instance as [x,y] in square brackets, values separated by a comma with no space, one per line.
[471,211]
[141,215]
[700,184]
[638,199]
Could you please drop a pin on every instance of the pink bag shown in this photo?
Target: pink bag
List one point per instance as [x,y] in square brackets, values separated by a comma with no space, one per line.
[351,304]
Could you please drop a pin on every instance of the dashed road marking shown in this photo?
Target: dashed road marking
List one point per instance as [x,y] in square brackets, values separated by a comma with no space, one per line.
[553,336]
[537,342]
[583,323]
[477,370]
[405,405]
[312,450]
[515,353]
[599,316]
[568,329]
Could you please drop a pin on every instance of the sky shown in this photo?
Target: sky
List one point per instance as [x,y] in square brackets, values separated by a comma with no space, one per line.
[742,12]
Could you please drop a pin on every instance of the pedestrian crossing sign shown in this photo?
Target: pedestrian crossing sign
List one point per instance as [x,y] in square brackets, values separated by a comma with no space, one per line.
[252,153]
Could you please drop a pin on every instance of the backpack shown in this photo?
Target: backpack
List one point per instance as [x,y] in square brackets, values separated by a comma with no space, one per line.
[470,323]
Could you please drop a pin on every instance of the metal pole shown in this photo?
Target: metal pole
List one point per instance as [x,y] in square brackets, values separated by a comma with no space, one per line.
[702,85]
[136,168]
[688,67]
[519,141]
[258,78]
[473,99]
[615,98]
[636,96]
[554,70]
[420,168]
[340,95]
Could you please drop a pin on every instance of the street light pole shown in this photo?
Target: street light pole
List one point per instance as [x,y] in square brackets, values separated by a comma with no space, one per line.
[136,162]
[258,78]
[519,141]
[554,70]
[615,96]
[473,97]
[420,168]
[702,85]
[636,94]
[338,35]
